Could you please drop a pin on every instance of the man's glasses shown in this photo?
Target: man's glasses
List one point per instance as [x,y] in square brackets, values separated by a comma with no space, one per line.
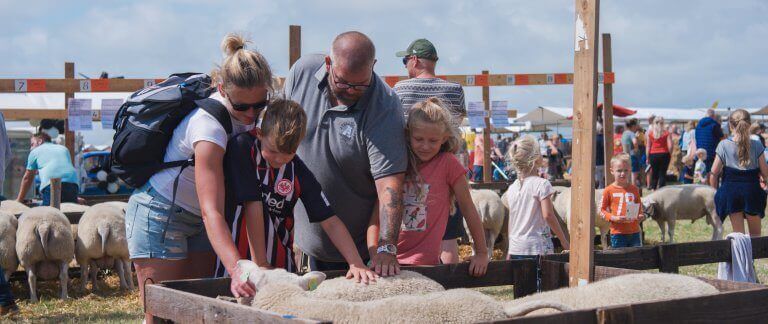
[245,106]
[405,59]
[345,85]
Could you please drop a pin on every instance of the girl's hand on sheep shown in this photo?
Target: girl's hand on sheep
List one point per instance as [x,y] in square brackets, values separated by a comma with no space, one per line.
[239,286]
[361,273]
[478,264]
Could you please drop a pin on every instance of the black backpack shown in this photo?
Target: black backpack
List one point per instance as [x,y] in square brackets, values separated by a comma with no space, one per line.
[144,125]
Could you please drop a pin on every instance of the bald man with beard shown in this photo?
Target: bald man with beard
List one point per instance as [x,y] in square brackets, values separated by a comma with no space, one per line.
[355,146]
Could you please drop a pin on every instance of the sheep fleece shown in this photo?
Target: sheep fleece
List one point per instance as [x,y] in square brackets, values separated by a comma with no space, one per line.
[13,207]
[89,244]
[450,306]
[624,289]
[8,225]
[61,243]
[407,282]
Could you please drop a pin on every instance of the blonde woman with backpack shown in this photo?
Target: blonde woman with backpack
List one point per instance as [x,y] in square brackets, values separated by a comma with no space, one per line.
[176,230]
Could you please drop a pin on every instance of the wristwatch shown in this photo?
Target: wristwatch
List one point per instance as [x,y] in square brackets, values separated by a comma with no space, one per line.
[387,248]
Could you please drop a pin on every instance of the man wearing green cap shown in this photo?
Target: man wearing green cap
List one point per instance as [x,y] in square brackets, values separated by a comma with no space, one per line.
[420,59]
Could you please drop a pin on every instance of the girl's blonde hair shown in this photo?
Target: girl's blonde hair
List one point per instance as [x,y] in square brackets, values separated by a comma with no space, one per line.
[524,154]
[739,121]
[241,67]
[430,111]
[658,126]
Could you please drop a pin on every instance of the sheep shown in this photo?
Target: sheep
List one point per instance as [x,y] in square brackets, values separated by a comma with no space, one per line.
[68,207]
[45,246]
[624,289]
[450,306]
[561,201]
[493,214]
[8,260]
[407,282]
[12,206]
[670,203]
[101,243]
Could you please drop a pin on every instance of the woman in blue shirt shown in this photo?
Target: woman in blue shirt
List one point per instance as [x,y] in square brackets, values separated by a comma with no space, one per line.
[741,162]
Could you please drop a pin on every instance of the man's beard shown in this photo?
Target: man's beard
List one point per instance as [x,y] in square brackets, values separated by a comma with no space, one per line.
[343,97]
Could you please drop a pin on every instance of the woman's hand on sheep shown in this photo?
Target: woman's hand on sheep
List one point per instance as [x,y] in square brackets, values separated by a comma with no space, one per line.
[361,273]
[478,264]
[239,286]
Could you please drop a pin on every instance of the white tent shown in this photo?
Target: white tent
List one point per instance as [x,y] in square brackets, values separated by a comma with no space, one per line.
[547,116]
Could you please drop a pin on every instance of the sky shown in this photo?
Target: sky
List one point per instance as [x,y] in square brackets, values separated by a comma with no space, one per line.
[682,54]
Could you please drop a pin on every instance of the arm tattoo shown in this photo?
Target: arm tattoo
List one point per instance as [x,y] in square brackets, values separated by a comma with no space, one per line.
[391,215]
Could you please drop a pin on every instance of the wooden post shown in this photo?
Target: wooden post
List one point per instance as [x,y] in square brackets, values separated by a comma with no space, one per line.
[55,192]
[607,109]
[584,114]
[69,136]
[668,261]
[487,171]
[294,44]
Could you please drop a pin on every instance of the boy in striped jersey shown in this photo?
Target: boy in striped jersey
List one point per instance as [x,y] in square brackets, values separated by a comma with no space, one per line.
[265,179]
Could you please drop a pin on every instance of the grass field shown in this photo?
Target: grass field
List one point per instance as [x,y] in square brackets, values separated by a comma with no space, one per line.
[110,305]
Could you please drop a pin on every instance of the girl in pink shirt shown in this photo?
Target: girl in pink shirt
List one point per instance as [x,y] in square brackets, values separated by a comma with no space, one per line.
[435,180]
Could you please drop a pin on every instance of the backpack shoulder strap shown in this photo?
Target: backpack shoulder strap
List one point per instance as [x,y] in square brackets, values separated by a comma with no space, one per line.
[215,108]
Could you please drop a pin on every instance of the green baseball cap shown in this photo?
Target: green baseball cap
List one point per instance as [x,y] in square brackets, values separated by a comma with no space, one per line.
[422,48]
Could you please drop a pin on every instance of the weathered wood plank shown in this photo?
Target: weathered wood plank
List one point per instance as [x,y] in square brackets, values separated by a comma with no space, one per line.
[582,228]
[668,258]
[729,307]
[294,44]
[487,147]
[183,307]
[607,110]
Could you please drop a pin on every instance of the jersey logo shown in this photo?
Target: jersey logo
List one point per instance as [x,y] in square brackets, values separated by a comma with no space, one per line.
[284,187]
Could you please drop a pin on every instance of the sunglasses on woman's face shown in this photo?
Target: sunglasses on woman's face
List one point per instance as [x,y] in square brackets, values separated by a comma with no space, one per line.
[245,106]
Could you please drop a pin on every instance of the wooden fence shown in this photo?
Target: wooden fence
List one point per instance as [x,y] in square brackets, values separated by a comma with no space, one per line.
[670,257]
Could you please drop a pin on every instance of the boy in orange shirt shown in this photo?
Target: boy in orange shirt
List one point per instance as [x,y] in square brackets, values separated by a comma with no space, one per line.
[621,205]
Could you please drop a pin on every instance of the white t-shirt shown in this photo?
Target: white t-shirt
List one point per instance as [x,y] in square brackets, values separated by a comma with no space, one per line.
[529,233]
[199,125]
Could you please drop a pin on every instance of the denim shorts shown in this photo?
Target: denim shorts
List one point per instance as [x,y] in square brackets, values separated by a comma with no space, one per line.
[146,218]
[625,240]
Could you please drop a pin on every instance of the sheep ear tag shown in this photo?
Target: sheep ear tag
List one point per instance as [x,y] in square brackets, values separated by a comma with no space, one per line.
[311,280]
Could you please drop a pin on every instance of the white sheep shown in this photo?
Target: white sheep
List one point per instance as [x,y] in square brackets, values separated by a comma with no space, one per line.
[8,260]
[493,214]
[407,282]
[68,207]
[450,306]
[45,246]
[561,201]
[668,204]
[624,289]
[101,244]
[12,206]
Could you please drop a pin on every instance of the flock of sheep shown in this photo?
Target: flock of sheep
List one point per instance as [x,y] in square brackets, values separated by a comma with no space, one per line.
[44,242]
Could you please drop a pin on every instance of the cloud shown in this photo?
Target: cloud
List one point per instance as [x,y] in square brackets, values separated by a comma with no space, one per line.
[682,54]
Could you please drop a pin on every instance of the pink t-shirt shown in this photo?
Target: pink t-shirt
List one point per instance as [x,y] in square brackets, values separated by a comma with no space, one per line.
[480,149]
[425,214]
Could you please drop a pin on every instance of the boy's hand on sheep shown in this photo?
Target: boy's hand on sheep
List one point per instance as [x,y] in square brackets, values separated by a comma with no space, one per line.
[361,273]
[478,264]
[239,285]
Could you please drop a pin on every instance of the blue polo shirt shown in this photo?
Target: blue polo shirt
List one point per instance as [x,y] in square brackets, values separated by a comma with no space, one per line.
[52,161]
